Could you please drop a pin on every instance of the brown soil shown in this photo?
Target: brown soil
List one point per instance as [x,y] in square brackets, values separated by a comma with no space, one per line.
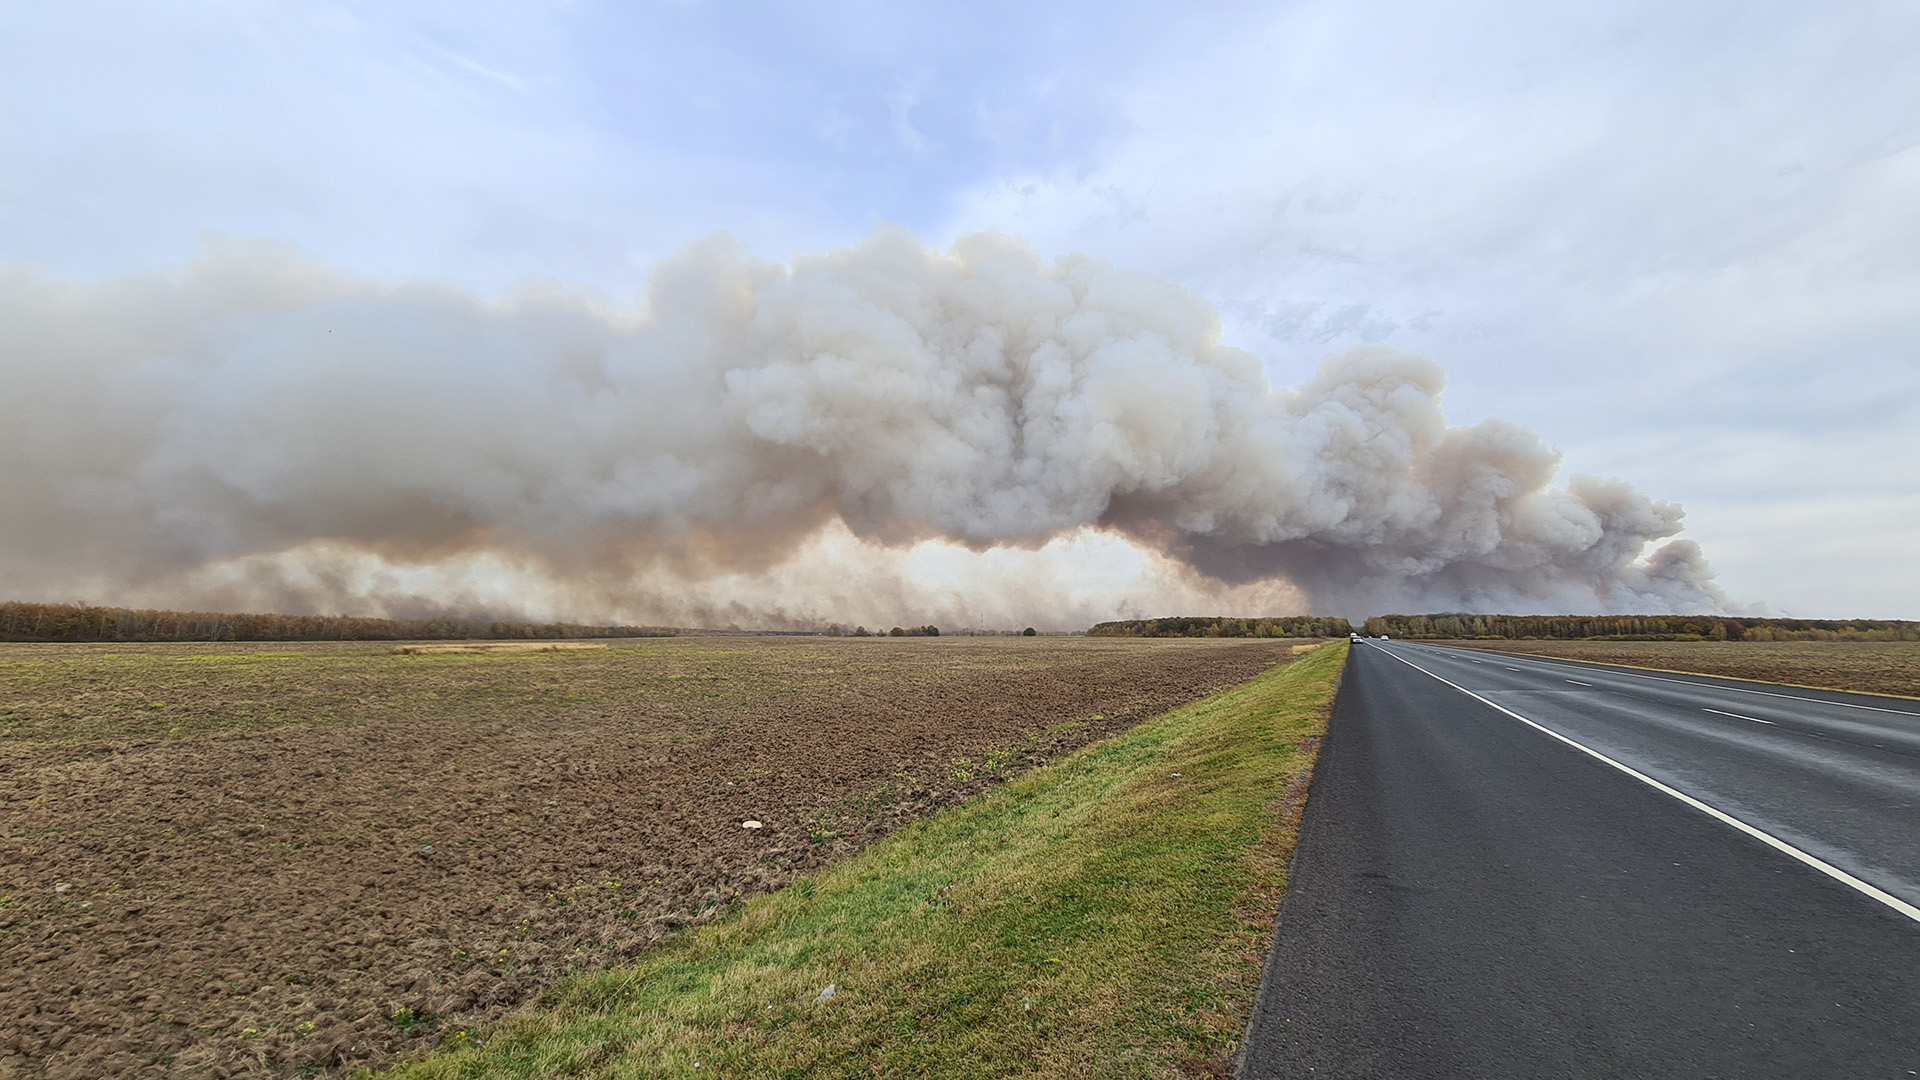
[1874,667]
[276,860]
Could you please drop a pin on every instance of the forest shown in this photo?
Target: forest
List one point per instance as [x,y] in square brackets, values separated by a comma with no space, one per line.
[1459,625]
[1291,626]
[72,622]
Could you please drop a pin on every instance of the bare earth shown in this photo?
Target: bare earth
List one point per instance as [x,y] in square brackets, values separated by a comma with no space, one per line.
[274,860]
[1874,667]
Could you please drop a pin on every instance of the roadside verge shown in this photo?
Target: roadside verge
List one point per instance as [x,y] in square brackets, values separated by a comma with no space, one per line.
[1105,915]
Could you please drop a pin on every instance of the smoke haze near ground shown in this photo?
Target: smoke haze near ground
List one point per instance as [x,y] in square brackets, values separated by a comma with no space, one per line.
[887,432]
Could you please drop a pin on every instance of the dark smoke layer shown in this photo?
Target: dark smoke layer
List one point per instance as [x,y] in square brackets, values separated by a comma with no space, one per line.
[318,440]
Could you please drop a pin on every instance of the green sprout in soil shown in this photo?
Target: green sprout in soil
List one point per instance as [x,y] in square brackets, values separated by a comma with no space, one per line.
[413,1022]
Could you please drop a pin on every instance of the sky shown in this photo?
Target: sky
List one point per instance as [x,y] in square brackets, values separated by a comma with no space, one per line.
[1680,242]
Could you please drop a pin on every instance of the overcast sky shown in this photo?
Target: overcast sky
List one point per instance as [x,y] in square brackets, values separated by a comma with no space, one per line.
[1682,242]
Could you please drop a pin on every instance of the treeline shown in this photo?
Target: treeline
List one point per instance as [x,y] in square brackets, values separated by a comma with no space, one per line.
[68,622]
[1641,628]
[929,630]
[1292,626]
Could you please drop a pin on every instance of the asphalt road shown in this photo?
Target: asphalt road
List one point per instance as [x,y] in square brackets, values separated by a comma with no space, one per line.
[1474,897]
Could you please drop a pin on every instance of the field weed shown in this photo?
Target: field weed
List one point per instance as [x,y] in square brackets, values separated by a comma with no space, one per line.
[820,828]
[411,1022]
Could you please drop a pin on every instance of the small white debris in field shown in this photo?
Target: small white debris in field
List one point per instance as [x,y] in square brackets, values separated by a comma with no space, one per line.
[553,802]
[426,849]
[1176,776]
[750,825]
[61,886]
[827,994]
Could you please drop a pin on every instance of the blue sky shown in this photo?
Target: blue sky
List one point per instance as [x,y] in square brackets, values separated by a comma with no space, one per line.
[1682,242]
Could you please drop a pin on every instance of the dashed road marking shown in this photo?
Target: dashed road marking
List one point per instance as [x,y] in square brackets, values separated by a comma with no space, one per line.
[1737,716]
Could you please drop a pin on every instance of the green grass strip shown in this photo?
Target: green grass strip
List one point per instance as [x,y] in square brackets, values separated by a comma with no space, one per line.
[1099,916]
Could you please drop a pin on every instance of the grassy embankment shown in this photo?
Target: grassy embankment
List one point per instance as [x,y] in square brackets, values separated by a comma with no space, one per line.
[1101,916]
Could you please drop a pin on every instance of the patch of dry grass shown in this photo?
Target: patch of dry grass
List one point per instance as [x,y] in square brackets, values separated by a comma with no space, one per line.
[421,649]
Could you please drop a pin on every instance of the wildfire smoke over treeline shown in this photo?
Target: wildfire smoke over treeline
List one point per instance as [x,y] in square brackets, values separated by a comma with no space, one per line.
[1306,626]
[755,442]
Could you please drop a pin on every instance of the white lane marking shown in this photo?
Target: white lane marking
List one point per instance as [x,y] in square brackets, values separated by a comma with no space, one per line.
[1769,839]
[1737,716]
[1611,670]
[1513,669]
[1577,682]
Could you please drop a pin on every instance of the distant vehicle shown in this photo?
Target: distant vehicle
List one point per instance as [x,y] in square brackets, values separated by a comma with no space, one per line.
[1353,637]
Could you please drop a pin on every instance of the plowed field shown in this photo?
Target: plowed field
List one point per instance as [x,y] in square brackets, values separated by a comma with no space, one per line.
[1874,667]
[277,860]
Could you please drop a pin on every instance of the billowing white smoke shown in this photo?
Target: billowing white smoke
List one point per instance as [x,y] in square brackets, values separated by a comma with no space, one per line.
[261,417]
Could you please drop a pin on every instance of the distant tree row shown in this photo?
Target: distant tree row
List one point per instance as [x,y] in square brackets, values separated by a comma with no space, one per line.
[1641,628]
[68,622]
[929,630]
[1291,626]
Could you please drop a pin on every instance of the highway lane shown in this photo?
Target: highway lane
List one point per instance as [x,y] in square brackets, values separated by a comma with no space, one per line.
[1473,897]
[1835,775]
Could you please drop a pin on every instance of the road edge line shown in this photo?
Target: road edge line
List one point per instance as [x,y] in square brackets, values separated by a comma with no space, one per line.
[1865,888]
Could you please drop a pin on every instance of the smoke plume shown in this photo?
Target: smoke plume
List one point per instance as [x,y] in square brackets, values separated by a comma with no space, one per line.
[881,431]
